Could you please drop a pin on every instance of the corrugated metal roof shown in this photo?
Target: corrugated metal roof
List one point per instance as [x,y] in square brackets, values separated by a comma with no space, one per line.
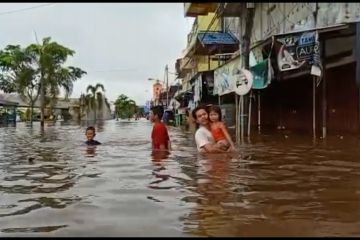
[208,38]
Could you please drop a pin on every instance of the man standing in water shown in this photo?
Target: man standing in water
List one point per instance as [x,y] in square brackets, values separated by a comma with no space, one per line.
[159,136]
[204,140]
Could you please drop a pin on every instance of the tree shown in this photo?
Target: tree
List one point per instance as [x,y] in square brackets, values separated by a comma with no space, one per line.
[50,58]
[125,107]
[18,74]
[95,99]
[38,70]
[82,106]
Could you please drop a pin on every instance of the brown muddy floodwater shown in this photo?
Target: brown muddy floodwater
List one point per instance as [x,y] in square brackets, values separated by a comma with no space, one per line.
[275,186]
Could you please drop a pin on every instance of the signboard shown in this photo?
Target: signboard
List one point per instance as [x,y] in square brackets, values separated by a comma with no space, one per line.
[225,77]
[298,50]
[262,74]
[243,82]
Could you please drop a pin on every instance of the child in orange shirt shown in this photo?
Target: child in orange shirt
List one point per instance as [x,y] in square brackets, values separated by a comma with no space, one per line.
[218,129]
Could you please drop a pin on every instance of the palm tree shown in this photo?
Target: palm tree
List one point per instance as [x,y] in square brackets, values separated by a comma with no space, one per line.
[49,58]
[94,100]
[38,70]
[81,110]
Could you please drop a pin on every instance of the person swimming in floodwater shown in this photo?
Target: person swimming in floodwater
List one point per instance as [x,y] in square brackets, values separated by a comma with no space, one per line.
[90,134]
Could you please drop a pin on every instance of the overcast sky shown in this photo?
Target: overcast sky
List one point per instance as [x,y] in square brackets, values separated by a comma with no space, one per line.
[120,45]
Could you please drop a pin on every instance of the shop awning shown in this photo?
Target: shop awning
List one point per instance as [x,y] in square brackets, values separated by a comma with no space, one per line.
[212,42]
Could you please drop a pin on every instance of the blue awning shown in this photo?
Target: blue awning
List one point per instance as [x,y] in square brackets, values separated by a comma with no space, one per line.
[210,43]
[224,38]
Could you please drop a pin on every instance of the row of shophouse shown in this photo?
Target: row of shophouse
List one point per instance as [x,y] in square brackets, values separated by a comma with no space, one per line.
[303,59]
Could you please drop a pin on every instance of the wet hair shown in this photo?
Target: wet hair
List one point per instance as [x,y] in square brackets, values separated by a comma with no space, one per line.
[197,109]
[90,128]
[158,110]
[217,109]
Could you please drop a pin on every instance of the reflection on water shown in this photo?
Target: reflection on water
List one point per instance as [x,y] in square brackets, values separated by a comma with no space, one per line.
[52,183]
[91,151]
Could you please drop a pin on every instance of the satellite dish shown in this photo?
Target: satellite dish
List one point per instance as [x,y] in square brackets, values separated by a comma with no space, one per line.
[243,82]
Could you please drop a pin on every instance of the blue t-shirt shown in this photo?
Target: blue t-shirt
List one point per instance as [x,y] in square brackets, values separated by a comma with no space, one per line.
[92,142]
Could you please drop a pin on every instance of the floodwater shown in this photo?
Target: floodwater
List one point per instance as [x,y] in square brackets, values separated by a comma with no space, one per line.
[275,185]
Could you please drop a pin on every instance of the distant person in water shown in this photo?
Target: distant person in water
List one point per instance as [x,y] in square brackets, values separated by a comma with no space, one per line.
[159,136]
[90,134]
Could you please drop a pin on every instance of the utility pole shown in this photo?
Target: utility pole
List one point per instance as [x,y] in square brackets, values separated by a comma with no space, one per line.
[167,85]
[249,23]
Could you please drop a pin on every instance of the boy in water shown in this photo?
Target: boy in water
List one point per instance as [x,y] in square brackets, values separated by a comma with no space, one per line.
[159,136]
[90,134]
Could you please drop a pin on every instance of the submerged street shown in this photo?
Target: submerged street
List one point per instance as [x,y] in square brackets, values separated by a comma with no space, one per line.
[274,186]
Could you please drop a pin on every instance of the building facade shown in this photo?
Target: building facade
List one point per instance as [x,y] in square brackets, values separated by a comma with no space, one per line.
[302,56]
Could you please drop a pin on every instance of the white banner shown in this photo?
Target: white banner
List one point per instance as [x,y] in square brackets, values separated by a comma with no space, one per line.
[198,89]
[225,77]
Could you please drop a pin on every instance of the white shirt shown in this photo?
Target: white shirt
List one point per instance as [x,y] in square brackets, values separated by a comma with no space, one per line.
[202,137]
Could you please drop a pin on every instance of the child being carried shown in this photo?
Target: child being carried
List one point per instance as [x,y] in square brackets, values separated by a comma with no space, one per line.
[218,129]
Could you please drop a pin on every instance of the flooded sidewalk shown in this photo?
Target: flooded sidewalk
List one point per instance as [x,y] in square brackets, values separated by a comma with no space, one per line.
[275,186]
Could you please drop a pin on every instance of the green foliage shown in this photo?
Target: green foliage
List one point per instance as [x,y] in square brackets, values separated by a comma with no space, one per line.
[26,70]
[125,107]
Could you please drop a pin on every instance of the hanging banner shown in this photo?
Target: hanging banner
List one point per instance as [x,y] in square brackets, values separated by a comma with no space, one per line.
[225,77]
[198,89]
[262,74]
[298,50]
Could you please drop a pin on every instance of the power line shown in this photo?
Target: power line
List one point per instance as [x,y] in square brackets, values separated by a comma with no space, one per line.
[26,9]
